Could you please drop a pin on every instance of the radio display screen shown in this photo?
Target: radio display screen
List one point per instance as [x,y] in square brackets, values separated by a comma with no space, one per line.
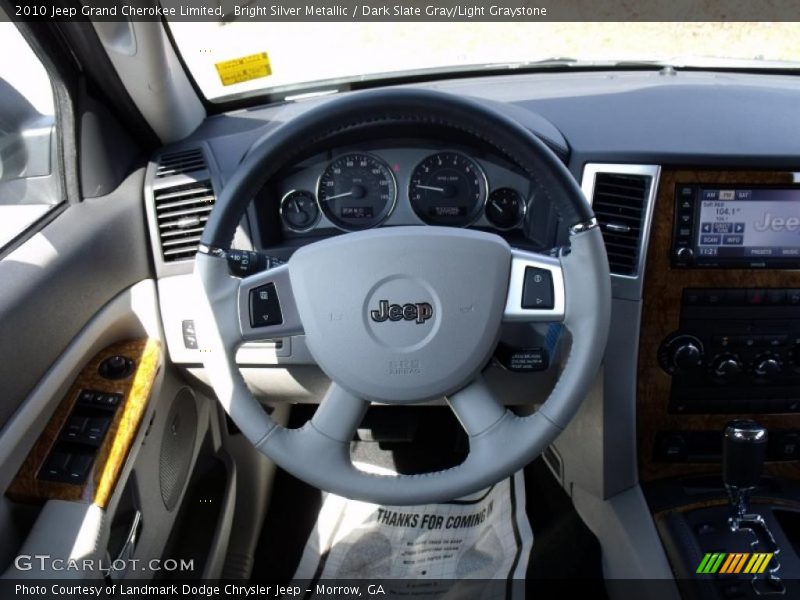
[748,225]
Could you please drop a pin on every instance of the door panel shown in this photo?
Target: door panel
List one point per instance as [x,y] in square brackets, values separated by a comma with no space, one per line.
[53,284]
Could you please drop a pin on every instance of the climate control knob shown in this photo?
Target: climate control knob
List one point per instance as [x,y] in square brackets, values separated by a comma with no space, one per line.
[726,366]
[767,366]
[680,352]
[687,355]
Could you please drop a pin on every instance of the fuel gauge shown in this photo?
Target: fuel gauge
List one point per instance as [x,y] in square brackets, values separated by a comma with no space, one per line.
[505,208]
[299,210]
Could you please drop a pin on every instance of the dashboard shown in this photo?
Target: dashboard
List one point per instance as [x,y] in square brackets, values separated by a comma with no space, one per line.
[695,179]
[397,182]
[694,175]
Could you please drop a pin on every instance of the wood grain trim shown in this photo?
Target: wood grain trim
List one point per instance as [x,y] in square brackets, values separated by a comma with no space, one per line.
[661,313]
[118,441]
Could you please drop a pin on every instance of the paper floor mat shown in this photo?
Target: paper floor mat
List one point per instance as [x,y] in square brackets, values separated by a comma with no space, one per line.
[484,536]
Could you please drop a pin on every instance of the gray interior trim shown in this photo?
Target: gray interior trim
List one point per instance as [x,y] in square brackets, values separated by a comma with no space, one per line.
[63,530]
[153,76]
[629,540]
[54,283]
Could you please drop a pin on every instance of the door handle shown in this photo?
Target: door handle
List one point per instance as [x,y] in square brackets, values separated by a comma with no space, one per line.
[114,572]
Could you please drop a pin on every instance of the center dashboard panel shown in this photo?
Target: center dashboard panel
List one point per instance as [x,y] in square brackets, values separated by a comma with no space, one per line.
[720,334]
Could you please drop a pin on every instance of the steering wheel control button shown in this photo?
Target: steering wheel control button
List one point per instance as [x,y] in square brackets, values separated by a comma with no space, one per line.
[265,310]
[522,360]
[537,289]
[116,367]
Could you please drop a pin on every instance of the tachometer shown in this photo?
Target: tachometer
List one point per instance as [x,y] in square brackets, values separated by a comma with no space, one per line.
[448,188]
[357,191]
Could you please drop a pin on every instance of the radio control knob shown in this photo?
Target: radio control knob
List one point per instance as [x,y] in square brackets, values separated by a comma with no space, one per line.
[767,366]
[726,366]
[684,253]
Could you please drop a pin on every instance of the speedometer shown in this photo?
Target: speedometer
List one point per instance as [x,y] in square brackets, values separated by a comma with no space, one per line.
[357,191]
[448,188]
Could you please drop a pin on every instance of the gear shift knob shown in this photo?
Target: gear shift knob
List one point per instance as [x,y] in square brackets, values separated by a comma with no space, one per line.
[744,447]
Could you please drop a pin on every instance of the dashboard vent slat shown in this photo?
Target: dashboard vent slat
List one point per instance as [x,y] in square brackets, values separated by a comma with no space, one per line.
[182,209]
[619,203]
[177,163]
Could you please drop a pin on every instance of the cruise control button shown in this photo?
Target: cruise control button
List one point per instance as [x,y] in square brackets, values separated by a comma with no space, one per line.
[265,309]
[537,289]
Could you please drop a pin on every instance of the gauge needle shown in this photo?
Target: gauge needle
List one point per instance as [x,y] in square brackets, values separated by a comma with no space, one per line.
[296,207]
[430,187]
[497,206]
[344,195]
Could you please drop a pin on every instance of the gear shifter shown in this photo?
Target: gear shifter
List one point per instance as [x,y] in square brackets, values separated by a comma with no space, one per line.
[744,447]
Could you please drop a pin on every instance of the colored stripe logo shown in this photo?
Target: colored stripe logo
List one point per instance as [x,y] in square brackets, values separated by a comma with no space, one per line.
[735,562]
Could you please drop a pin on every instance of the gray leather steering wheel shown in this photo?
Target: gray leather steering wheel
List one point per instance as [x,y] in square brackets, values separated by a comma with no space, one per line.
[453,288]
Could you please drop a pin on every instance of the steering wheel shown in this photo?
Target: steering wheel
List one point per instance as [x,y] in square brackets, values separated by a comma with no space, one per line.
[403,315]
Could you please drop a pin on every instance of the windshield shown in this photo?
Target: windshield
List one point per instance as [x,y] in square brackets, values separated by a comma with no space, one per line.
[291,57]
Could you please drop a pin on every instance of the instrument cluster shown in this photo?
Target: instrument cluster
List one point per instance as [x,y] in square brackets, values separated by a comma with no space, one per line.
[354,189]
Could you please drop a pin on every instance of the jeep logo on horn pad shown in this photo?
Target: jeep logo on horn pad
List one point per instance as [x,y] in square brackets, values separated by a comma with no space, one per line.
[419,312]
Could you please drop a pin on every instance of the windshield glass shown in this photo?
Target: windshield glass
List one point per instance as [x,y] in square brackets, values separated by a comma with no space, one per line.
[290,57]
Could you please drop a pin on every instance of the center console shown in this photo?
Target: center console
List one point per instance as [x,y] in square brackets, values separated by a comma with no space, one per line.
[719,343]
[720,334]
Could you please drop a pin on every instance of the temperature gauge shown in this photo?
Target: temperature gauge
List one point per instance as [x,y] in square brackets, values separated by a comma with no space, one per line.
[505,208]
[299,210]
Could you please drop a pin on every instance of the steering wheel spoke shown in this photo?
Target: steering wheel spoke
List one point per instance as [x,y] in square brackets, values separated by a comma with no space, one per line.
[266,306]
[535,288]
[339,414]
[476,408]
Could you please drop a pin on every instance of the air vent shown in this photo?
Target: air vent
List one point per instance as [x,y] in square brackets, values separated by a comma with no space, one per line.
[181,213]
[183,199]
[178,163]
[620,203]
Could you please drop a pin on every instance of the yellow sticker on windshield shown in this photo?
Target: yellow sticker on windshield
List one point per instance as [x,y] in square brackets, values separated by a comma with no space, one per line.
[244,68]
